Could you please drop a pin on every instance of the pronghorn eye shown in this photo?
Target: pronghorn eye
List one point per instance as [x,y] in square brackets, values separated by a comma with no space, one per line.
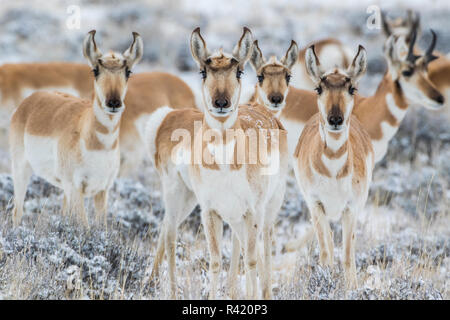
[239,73]
[408,73]
[261,78]
[127,72]
[288,78]
[351,90]
[95,71]
[318,90]
[203,73]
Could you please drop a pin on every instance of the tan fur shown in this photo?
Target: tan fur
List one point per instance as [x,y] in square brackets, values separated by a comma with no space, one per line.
[16,77]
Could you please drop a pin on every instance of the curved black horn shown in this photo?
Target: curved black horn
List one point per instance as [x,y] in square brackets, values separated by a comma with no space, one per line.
[385,23]
[429,53]
[412,40]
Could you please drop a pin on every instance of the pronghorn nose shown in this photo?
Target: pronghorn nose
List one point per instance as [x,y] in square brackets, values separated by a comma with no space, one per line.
[221,103]
[335,120]
[114,103]
[276,98]
[440,99]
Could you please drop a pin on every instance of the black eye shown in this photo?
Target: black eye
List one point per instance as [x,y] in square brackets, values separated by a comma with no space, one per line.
[127,72]
[239,73]
[261,78]
[408,73]
[351,90]
[95,71]
[288,78]
[203,73]
[318,90]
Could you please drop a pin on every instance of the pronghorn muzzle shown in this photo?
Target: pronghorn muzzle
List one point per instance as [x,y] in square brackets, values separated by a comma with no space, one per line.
[335,118]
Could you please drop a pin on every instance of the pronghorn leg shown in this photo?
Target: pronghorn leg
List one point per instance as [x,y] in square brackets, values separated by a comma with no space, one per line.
[213,230]
[101,206]
[234,268]
[323,234]
[76,205]
[21,173]
[348,237]
[250,256]
[267,262]
[178,202]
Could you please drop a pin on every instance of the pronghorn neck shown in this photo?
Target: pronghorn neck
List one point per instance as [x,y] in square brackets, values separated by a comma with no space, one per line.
[221,124]
[334,142]
[102,129]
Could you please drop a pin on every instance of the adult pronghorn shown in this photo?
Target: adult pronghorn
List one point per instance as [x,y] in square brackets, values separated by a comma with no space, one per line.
[331,51]
[334,158]
[438,63]
[146,92]
[229,190]
[405,82]
[71,142]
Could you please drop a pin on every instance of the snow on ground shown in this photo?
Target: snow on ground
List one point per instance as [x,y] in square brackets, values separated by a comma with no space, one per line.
[403,234]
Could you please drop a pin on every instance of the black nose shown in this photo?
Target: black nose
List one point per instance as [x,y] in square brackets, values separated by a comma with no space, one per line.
[113,103]
[221,103]
[335,120]
[440,99]
[276,98]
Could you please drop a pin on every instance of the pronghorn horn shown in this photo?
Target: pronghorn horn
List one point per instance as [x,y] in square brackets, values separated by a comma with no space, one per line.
[386,28]
[429,53]
[411,56]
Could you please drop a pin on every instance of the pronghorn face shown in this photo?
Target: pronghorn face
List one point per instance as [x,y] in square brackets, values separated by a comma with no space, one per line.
[410,71]
[401,26]
[221,74]
[111,71]
[273,76]
[335,89]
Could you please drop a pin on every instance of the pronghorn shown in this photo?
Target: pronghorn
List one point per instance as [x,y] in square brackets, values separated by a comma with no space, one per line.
[71,142]
[405,82]
[438,63]
[146,92]
[273,77]
[334,158]
[332,51]
[236,193]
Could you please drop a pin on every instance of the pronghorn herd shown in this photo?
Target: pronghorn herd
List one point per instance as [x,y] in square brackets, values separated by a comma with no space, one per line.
[231,158]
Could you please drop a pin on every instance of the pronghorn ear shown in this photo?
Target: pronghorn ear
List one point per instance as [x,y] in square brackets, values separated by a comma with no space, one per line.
[90,49]
[359,65]
[243,49]
[291,56]
[135,52]
[256,59]
[198,48]
[313,65]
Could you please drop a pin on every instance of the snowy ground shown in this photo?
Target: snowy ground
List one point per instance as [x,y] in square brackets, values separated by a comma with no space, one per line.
[403,249]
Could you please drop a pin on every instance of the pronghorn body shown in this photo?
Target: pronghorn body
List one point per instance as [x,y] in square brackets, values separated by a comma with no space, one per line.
[147,92]
[333,160]
[331,51]
[18,81]
[238,192]
[72,142]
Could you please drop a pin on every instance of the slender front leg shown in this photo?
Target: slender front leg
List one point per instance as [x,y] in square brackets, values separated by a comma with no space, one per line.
[21,173]
[348,236]
[76,205]
[267,262]
[250,256]
[101,206]
[234,268]
[213,230]
[323,234]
